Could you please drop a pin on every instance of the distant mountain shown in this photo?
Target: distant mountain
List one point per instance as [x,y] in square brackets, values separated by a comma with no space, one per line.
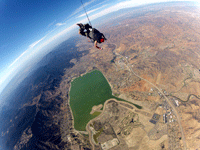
[28,70]
[31,107]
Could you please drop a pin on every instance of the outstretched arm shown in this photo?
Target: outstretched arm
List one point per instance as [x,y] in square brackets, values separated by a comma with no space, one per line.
[82,32]
[95,44]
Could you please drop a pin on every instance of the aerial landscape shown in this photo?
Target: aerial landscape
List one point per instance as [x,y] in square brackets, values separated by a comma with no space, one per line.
[141,92]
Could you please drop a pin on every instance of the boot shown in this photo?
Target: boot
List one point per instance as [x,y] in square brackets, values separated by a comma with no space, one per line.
[80,25]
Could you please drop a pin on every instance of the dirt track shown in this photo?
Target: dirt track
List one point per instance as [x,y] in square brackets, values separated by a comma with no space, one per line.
[87,126]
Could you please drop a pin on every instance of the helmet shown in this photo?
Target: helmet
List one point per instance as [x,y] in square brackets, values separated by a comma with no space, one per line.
[102,40]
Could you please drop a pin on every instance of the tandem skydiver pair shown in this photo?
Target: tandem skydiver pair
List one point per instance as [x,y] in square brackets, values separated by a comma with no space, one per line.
[93,34]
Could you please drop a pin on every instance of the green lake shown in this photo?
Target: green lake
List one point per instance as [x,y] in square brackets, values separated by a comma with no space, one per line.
[86,91]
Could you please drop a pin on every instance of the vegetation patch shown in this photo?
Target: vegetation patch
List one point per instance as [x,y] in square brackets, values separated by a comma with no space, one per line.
[95,136]
[96,113]
[119,99]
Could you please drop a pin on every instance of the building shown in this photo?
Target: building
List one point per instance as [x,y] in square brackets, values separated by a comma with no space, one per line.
[165,118]
[176,102]
[154,118]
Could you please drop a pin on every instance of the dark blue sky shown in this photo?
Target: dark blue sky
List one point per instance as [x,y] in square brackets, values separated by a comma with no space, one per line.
[22,19]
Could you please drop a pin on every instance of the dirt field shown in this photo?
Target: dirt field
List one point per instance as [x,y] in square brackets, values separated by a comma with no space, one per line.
[125,123]
[135,138]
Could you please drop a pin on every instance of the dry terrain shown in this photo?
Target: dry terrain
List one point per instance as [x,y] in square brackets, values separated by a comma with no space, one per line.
[128,127]
[163,48]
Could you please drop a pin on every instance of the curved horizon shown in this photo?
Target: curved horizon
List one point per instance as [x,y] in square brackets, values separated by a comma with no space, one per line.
[13,62]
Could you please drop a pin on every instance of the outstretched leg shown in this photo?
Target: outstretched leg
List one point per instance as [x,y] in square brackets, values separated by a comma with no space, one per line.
[81,30]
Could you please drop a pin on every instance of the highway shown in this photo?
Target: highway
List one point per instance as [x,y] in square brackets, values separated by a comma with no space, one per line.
[168,101]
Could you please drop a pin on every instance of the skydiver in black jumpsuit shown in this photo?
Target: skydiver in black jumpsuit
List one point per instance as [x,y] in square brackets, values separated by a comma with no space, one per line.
[91,33]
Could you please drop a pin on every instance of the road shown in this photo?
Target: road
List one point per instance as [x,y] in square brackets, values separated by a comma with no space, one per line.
[168,101]
[96,118]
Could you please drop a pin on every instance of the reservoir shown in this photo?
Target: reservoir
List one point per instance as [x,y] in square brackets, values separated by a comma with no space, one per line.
[86,91]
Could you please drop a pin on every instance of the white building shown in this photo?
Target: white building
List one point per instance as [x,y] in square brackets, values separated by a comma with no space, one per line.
[176,101]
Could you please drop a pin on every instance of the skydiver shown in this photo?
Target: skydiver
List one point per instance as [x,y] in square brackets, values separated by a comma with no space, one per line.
[91,33]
